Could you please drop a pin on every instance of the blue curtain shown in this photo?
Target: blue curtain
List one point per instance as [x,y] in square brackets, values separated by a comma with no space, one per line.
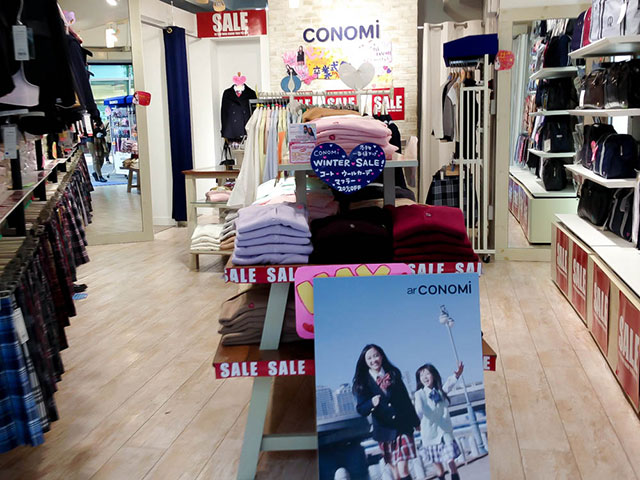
[175,55]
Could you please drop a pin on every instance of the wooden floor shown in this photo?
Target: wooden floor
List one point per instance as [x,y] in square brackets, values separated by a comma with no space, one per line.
[115,210]
[139,398]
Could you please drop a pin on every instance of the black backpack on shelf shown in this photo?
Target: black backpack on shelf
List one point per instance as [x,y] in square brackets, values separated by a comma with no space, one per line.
[595,202]
[620,219]
[553,174]
[561,94]
[593,133]
[594,96]
[617,157]
[557,52]
[557,135]
[616,86]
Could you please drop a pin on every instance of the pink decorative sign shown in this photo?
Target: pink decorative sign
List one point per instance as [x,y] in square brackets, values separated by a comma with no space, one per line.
[304,286]
[505,60]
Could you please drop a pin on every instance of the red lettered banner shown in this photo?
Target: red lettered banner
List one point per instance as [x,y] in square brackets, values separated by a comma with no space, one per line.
[305,100]
[562,261]
[395,105]
[525,212]
[579,260]
[511,190]
[274,368]
[287,273]
[629,348]
[235,23]
[600,316]
[341,99]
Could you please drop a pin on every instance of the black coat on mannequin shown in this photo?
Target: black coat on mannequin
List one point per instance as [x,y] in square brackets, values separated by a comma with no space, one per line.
[235,112]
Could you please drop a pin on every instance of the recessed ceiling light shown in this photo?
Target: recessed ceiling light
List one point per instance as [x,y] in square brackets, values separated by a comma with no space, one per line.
[113,3]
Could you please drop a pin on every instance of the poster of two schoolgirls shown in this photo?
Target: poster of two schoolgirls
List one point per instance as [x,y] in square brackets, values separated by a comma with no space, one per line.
[399,378]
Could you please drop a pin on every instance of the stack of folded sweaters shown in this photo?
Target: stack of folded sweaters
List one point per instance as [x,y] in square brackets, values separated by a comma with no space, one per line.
[272,234]
[242,317]
[218,194]
[424,233]
[358,236]
[207,237]
[351,131]
[228,235]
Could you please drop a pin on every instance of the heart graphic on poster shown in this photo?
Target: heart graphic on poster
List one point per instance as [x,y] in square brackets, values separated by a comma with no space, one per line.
[348,173]
[239,80]
[356,79]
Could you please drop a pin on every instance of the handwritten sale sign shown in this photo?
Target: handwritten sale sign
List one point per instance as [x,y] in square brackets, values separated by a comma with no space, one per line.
[628,370]
[348,173]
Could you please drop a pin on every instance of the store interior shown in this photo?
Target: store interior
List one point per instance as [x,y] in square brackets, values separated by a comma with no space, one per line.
[168,188]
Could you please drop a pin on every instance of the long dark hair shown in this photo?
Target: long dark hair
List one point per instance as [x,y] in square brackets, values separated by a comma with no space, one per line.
[360,378]
[437,380]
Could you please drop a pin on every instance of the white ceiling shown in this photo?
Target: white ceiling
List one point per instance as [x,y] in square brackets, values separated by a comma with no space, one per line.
[94,13]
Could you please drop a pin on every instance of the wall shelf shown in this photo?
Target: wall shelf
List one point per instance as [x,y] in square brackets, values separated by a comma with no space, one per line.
[542,154]
[606,112]
[559,72]
[590,234]
[607,47]
[549,113]
[605,182]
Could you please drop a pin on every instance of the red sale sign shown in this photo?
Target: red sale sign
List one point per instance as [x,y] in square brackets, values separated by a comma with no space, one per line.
[562,261]
[525,213]
[341,99]
[235,23]
[600,317]
[395,105]
[629,348]
[579,259]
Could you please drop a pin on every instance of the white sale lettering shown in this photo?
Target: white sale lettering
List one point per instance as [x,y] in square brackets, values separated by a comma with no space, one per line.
[580,278]
[600,305]
[230,22]
[629,344]
[562,259]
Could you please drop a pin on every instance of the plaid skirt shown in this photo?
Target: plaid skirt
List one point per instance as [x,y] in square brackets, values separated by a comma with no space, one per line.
[403,448]
[442,452]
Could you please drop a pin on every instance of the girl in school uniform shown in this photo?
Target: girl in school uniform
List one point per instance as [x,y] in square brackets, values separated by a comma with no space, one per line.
[436,429]
[381,393]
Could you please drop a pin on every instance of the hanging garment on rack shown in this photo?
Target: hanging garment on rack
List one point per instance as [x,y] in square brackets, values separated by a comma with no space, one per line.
[320,112]
[235,112]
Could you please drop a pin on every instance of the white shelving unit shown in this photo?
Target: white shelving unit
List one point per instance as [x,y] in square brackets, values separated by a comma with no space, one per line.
[590,234]
[559,72]
[605,182]
[535,186]
[542,154]
[606,112]
[607,47]
[625,262]
[549,113]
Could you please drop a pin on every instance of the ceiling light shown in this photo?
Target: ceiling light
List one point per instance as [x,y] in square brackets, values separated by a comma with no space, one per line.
[113,3]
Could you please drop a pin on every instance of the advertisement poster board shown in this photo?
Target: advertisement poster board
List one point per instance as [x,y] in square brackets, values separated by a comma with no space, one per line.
[579,264]
[562,261]
[629,348]
[399,358]
[600,312]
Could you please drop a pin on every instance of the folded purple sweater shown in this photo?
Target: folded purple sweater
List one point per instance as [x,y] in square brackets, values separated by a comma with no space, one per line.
[273,248]
[274,230]
[272,239]
[259,217]
[270,259]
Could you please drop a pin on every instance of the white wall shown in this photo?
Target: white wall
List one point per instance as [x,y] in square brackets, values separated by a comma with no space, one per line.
[95,37]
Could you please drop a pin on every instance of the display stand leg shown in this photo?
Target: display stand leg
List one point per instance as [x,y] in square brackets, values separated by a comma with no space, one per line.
[274,318]
[254,430]
[389,180]
[194,261]
[41,190]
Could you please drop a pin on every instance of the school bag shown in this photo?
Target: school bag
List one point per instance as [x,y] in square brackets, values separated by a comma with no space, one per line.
[594,89]
[616,156]
[553,174]
[592,135]
[576,38]
[594,202]
[632,18]
[605,19]
[586,28]
[557,52]
[560,94]
[556,135]
[620,219]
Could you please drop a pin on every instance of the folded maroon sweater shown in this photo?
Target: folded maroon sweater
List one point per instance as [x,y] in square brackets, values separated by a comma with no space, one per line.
[412,219]
[433,249]
[428,238]
[437,257]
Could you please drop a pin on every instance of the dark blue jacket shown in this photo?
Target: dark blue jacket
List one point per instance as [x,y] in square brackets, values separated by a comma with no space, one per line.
[394,415]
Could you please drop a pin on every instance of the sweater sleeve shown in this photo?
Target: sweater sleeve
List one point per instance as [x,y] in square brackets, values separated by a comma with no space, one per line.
[364,403]
[449,384]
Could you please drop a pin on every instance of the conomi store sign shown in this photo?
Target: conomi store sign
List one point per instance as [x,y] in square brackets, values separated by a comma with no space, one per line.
[238,23]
